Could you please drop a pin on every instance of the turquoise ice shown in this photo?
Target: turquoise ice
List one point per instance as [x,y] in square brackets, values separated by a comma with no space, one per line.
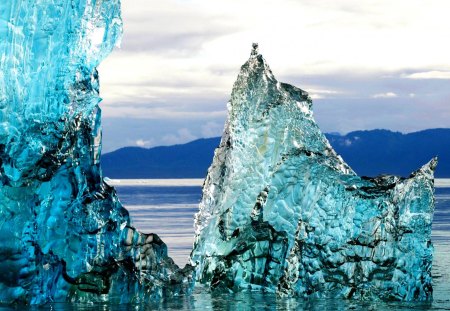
[64,236]
[282,212]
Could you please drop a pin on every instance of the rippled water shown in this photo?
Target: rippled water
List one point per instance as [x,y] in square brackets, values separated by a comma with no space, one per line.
[168,211]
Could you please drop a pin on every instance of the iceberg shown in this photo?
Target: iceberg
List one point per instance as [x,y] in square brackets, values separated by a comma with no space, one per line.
[281,212]
[64,235]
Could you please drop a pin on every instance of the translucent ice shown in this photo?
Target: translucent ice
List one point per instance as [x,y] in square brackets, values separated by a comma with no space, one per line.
[64,236]
[282,212]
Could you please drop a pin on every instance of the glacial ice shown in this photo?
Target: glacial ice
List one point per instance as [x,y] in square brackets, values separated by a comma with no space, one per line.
[282,212]
[64,235]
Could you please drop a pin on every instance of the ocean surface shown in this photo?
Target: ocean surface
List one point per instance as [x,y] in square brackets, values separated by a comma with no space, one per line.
[167,207]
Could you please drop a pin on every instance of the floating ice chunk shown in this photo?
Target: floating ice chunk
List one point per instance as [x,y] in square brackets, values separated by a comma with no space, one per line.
[64,234]
[282,212]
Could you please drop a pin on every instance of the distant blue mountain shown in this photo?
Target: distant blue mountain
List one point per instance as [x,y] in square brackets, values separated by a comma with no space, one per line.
[189,160]
[369,153]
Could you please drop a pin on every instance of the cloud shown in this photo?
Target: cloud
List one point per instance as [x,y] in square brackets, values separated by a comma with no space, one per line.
[171,27]
[183,135]
[212,129]
[316,96]
[399,114]
[385,95]
[180,58]
[143,143]
[321,93]
[444,75]
[126,131]
[150,113]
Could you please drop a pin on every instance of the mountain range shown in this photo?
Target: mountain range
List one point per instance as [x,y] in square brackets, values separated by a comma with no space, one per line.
[369,153]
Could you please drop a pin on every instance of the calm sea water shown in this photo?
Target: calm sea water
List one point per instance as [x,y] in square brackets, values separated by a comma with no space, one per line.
[168,211]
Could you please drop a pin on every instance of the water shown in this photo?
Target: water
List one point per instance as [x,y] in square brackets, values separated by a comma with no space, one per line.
[169,211]
[166,211]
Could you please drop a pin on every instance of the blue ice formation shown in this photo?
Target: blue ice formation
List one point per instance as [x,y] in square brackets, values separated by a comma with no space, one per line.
[64,236]
[282,212]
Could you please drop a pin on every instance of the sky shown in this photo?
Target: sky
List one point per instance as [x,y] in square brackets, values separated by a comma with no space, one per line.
[366,63]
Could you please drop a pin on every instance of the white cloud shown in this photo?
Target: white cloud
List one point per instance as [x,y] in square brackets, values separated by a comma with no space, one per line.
[194,48]
[212,129]
[143,143]
[321,93]
[385,95]
[183,135]
[148,112]
[429,75]
[316,96]
[179,59]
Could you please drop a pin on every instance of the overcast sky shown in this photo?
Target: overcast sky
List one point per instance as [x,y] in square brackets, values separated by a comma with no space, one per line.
[367,64]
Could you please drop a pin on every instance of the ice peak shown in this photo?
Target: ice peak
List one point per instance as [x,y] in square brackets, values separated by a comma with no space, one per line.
[256,66]
[282,212]
[255,50]
[427,169]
